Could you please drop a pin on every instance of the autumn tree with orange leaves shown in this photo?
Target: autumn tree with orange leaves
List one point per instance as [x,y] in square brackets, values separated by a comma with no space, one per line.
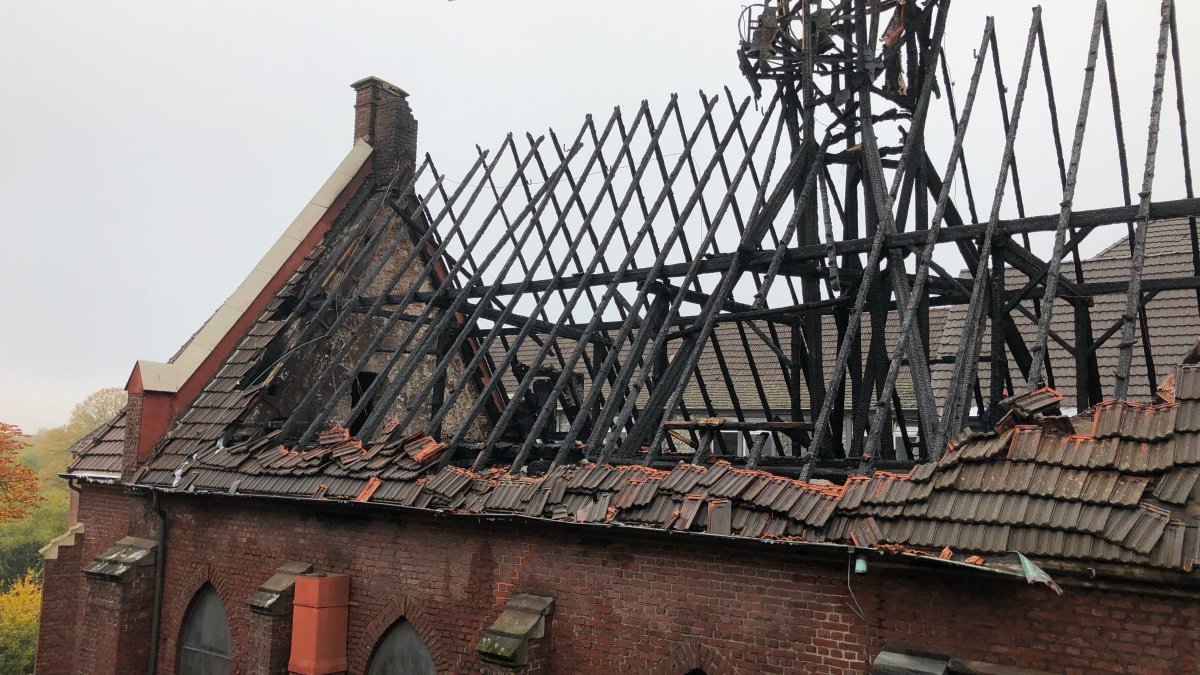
[18,483]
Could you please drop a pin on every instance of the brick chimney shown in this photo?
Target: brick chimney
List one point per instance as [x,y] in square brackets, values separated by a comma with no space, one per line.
[383,118]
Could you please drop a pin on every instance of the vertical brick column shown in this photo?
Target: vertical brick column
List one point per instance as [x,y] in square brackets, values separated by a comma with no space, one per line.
[133,428]
[271,640]
[270,627]
[320,623]
[383,117]
[117,607]
[62,590]
[116,624]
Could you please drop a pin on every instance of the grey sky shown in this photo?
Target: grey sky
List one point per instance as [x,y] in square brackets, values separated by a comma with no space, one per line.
[151,152]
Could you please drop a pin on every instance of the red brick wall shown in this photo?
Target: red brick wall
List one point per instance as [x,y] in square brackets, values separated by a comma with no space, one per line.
[275,631]
[116,618]
[111,513]
[76,634]
[133,428]
[62,587]
[628,604]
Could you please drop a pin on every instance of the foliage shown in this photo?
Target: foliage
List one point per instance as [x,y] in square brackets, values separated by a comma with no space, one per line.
[18,483]
[19,609]
[96,409]
[21,540]
[47,454]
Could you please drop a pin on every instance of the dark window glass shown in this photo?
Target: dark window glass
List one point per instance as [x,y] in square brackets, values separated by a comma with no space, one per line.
[205,647]
[401,650]
[731,446]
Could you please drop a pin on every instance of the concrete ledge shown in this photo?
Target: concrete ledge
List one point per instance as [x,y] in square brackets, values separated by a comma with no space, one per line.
[506,642]
[66,539]
[118,561]
[275,595]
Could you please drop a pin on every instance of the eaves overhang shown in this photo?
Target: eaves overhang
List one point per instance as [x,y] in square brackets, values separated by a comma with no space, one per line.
[818,552]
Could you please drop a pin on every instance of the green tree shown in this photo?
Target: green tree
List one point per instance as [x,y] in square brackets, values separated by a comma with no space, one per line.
[21,540]
[41,458]
[98,408]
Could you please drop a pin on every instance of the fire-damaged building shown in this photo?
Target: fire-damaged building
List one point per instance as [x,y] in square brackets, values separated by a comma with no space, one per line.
[689,390]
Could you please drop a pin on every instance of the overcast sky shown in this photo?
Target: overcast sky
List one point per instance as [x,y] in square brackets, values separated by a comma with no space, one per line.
[151,152]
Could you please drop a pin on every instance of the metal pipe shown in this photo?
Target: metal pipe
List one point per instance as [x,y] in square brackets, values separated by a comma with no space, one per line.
[160,572]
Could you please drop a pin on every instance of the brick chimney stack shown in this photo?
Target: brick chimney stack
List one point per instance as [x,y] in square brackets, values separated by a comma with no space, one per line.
[383,118]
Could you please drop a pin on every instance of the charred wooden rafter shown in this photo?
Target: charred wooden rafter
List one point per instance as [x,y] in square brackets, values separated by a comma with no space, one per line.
[626,296]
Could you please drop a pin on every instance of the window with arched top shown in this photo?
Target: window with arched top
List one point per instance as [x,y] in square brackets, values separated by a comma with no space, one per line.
[401,650]
[204,645]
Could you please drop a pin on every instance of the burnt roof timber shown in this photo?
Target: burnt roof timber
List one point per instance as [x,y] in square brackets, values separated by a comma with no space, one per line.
[459,264]
[883,201]
[1184,145]
[483,348]
[670,384]
[297,419]
[674,235]
[377,263]
[668,365]
[533,210]
[1035,378]
[578,352]
[883,400]
[1163,210]
[1133,304]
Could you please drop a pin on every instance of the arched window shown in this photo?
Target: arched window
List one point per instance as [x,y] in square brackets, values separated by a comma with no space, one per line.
[204,648]
[401,650]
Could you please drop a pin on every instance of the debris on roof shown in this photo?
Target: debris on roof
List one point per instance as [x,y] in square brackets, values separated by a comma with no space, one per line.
[1119,494]
[1033,402]
[552,334]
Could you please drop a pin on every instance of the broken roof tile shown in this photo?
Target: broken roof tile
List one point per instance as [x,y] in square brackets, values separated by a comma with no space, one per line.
[1169,550]
[865,532]
[1187,416]
[1024,445]
[1106,421]
[922,472]
[1187,384]
[1031,403]
[1128,490]
[1177,486]
[986,447]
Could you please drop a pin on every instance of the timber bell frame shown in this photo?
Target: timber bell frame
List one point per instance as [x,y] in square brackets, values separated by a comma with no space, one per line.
[581,290]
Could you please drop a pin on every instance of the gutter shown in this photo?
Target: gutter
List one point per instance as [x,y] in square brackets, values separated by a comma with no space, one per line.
[824,551]
[89,477]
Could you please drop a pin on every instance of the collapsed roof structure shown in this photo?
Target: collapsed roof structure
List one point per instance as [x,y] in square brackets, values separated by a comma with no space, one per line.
[467,405]
[465,344]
